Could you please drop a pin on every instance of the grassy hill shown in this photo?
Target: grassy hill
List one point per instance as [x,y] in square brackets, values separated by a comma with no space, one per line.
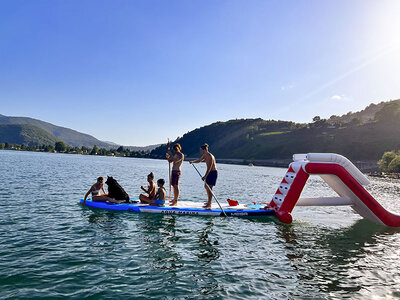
[25,134]
[376,130]
[71,137]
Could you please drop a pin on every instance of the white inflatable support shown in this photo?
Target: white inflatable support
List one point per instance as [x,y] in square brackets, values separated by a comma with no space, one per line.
[340,160]
[325,201]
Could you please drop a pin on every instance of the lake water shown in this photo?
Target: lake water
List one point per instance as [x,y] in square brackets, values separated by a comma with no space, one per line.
[52,247]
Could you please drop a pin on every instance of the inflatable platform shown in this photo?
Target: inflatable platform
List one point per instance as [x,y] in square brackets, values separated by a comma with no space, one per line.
[341,175]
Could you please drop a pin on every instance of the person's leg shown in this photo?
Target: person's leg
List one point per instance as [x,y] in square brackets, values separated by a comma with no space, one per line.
[144,199]
[104,198]
[209,195]
[176,195]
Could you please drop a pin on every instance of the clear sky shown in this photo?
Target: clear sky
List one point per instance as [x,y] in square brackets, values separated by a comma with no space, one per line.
[139,72]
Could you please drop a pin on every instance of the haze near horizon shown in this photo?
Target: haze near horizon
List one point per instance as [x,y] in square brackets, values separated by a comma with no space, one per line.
[139,72]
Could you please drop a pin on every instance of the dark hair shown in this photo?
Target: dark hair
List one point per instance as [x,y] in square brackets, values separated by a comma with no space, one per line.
[100,179]
[177,146]
[204,146]
[161,181]
[151,175]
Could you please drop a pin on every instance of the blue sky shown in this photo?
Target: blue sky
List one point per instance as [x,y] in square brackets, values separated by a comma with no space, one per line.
[139,72]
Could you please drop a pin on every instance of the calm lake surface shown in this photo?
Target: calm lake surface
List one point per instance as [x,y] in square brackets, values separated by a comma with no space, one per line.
[52,247]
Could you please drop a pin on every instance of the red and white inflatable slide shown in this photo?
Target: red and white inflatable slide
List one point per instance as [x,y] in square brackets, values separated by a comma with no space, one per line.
[341,175]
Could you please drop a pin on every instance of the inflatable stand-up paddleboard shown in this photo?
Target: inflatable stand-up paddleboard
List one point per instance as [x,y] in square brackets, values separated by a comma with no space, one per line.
[188,208]
[336,170]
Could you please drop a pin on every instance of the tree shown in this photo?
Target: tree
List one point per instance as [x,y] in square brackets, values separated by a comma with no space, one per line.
[394,165]
[355,122]
[94,150]
[386,159]
[316,119]
[48,148]
[120,149]
[60,146]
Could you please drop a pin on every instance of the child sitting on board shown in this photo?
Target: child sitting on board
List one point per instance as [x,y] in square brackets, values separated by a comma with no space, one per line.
[160,195]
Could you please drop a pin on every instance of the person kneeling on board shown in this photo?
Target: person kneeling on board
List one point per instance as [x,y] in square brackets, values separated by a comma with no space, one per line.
[96,196]
[151,190]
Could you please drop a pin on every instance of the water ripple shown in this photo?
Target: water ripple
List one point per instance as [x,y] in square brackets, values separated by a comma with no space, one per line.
[53,248]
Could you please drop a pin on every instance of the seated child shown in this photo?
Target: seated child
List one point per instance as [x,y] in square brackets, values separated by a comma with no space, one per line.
[151,191]
[160,195]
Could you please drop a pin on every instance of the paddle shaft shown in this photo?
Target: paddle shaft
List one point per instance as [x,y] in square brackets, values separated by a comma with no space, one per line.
[210,190]
[169,172]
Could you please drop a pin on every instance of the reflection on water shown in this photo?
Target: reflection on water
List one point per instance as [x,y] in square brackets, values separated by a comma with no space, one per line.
[336,261]
[208,253]
[52,247]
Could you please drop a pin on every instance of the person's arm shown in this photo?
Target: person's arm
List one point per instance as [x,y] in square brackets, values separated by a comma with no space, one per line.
[87,194]
[104,192]
[169,156]
[197,160]
[146,191]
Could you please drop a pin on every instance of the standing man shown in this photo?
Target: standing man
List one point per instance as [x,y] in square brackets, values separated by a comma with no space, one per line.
[211,175]
[177,160]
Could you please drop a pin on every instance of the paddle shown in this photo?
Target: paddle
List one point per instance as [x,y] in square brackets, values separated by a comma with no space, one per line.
[169,172]
[210,190]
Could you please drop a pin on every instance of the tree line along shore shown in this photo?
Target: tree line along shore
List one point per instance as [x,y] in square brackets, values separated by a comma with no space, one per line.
[369,138]
[375,168]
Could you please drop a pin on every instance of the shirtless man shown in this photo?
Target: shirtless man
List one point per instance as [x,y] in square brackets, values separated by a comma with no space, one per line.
[211,175]
[177,160]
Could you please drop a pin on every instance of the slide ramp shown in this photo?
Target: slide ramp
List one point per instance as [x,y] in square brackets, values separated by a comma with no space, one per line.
[341,175]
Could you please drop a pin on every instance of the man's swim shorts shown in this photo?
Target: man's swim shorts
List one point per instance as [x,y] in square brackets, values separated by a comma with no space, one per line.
[211,179]
[175,177]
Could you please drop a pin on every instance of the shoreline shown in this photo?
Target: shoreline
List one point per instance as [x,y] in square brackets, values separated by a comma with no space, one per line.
[366,166]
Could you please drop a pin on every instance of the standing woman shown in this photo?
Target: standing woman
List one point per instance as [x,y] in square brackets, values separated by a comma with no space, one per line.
[95,190]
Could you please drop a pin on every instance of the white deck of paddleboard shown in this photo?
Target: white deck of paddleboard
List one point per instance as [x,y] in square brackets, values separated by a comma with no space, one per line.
[200,205]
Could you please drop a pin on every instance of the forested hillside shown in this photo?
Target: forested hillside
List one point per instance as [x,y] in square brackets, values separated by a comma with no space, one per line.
[25,134]
[71,137]
[359,138]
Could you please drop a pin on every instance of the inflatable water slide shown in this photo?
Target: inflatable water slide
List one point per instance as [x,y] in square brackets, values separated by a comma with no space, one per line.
[341,175]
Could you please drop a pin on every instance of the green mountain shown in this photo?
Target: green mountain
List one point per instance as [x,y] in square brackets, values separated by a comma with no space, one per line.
[25,134]
[364,135]
[71,137]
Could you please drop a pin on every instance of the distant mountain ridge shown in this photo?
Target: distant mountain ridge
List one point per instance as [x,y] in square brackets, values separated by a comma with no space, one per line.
[25,134]
[70,136]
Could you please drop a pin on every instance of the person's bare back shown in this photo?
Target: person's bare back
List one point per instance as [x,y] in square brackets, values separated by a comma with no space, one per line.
[210,161]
